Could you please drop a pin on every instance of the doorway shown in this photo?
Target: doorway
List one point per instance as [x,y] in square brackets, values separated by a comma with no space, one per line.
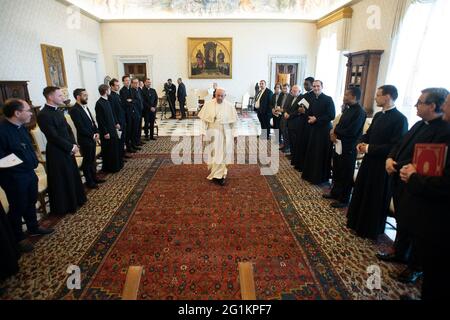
[136,70]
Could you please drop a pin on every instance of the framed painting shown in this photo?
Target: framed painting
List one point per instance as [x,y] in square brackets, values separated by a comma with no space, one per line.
[55,70]
[210,58]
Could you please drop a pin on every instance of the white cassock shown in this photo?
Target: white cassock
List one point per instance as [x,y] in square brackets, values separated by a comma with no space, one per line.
[219,124]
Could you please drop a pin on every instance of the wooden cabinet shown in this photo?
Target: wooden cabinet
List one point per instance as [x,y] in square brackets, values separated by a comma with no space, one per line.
[362,72]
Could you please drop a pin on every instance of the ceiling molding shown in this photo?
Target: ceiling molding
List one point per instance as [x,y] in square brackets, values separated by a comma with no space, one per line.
[205,20]
[343,13]
[83,12]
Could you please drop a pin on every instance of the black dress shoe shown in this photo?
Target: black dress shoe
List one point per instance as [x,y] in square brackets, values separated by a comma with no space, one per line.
[328,196]
[339,205]
[147,138]
[25,246]
[131,150]
[91,186]
[99,181]
[41,231]
[127,156]
[389,257]
[137,148]
[409,276]
[154,139]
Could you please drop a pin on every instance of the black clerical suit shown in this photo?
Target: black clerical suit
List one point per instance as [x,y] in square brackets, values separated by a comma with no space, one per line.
[181,96]
[86,129]
[409,242]
[292,106]
[150,101]
[132,117]
[171,90]
[112,157]
[277,101]
[301,132]
[264,111]
[430,207]
[348,130]
[65,189]
[9,255]
[317,169]
[120,116]
[371,196]
[20,183]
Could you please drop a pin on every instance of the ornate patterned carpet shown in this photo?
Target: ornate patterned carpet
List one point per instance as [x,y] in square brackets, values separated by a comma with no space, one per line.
[189,235]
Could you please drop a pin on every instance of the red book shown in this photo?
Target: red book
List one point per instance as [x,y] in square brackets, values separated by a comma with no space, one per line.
[430,159]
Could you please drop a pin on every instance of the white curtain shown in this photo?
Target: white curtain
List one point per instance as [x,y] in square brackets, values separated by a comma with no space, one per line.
[420,54]
[331,63]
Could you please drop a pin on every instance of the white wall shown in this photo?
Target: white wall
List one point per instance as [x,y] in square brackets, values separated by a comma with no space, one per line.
[363,38]
[25,25]
[166,42]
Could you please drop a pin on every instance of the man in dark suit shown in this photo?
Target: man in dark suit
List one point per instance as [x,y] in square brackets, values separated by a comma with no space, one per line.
[292,116]
[87,136]
[348,131]
[19,182]
[138,100]
[150,104]
[262,105]
[277,110]
[170,89]
[131,115]
[181,95]
[410,238]
[119,113]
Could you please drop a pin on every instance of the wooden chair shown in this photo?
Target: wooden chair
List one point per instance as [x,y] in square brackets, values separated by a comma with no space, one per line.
[192,104]
[132,282]
[243,105]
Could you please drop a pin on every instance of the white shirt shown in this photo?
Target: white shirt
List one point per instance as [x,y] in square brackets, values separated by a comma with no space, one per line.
[85,108]
[260,94]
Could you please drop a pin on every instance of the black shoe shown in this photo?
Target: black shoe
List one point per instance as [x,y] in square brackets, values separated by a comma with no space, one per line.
[127,156]
[25,246]
[147,138]
[137,148]
[409,276]
[389,257]
[154,139]
[131,150]
[328,196]
[339,205]
[99,181]
[92,186]
[41,231]
[221,182]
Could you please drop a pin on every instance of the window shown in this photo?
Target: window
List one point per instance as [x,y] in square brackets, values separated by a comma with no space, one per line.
[420,56]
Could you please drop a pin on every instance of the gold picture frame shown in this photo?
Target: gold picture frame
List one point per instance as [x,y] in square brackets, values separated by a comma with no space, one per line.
[55,69]
[210,58]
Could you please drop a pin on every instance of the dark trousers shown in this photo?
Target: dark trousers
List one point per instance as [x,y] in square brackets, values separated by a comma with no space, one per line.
[182,109]
[21,190]
[138,128]
[171,100]
[277,126]
[292,132]
[343,173]
[409,247]
[132,127]
[264,119]
[435,272]
[149,123]
[89,165]
[123,139]
[285,133]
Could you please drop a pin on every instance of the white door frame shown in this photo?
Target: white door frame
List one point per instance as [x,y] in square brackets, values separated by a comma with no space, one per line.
[121,60]
[83,55]
[300,60]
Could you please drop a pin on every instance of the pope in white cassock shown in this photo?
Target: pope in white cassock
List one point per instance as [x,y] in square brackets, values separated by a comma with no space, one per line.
[219,125]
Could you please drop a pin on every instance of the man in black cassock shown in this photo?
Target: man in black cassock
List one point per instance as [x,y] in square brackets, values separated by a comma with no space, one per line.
[277,111]
[410,238]
[302,128]
[65,189]
[9,255]
[138,100]
[345,136]
[150,104]
[19,182]
[87,137]
[170,89]
[429,207]
[291,116]
[263,109]
[317,168]
[119,114]
[181,96]
[131,115]
[369,205]
[108,129]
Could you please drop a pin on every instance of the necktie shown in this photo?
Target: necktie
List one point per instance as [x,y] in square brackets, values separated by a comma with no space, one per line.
[92,118]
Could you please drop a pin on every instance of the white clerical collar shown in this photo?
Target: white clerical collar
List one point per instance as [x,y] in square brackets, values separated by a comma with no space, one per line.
[391,108]
[105,97]
[55,107]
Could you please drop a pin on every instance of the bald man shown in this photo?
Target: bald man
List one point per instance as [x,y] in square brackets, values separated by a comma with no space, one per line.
[219,125]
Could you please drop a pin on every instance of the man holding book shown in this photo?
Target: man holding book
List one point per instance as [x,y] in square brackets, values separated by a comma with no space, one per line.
[411,226]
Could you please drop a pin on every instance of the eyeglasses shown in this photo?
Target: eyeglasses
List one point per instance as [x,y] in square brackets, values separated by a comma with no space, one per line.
[419,103]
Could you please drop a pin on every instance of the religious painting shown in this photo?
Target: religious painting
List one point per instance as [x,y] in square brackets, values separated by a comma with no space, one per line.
[287,73]
[210,58]
[55,70]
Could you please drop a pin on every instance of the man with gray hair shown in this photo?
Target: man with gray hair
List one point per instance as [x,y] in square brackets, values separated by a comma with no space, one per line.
[219,125]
